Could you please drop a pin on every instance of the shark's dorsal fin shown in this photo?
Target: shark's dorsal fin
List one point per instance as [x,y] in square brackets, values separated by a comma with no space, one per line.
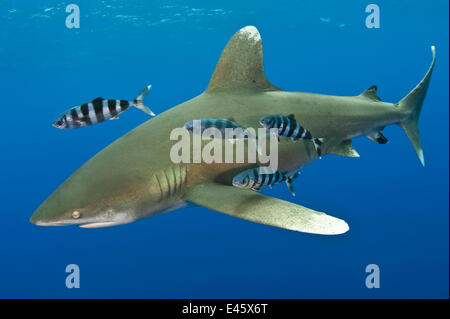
[371,93]
[241,65]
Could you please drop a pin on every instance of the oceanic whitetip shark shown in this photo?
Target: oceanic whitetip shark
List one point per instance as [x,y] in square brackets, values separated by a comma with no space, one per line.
[134,177]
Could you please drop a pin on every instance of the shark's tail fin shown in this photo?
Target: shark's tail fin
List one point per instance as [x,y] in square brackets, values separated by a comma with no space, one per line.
[412,105]
[139,101]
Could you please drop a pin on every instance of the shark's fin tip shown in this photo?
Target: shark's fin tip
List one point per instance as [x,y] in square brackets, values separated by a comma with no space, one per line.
[241,65]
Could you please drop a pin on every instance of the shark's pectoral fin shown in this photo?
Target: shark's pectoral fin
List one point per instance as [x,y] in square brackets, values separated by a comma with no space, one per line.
[345,148]
[259,208]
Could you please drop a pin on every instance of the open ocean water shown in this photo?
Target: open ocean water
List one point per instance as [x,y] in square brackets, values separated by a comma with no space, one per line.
[398,211]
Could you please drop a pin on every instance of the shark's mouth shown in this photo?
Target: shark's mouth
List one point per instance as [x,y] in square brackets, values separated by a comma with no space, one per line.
[87,225]
[42,223]
[101,224]
[93,223]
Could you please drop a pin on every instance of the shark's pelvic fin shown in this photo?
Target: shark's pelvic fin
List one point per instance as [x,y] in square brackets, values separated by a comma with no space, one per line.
[259,208]
[412,104]
[345,148]
[241,65]
[371,94]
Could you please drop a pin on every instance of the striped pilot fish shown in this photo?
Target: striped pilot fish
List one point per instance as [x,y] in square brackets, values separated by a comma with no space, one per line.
[239,132]
[99,110]
[257,178]
[221,125]
[288,126]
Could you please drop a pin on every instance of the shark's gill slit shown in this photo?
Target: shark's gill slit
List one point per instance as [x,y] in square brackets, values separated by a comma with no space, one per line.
[168,183]
[174,179]
[160,188]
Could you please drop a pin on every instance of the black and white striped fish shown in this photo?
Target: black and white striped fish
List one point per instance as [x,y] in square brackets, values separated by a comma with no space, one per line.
[257,178]
[219,124]
[287,126]
[199,126]
[99,110]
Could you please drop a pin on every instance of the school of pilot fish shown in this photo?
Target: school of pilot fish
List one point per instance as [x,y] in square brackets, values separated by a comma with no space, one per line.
[99,110]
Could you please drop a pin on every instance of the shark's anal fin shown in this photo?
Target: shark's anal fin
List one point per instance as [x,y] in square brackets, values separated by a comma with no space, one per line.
[259,208]
[241,66]
[345,148]
[371,94]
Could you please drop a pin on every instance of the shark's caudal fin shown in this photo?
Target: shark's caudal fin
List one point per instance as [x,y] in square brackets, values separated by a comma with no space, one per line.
[241,66]
[412,104]
[139,101]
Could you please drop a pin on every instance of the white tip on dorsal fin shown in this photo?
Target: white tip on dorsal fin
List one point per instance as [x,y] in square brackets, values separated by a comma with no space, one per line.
[241,65]
[371,93]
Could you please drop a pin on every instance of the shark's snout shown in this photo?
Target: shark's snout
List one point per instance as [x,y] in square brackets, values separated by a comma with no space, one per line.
[34,220]
[44,223]
[38,217]
[71,204]
[41,218]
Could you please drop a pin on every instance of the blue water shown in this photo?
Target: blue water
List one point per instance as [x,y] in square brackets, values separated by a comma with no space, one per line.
[397,210]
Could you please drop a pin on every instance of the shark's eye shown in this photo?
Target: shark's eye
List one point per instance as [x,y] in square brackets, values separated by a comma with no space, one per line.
[76,214]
